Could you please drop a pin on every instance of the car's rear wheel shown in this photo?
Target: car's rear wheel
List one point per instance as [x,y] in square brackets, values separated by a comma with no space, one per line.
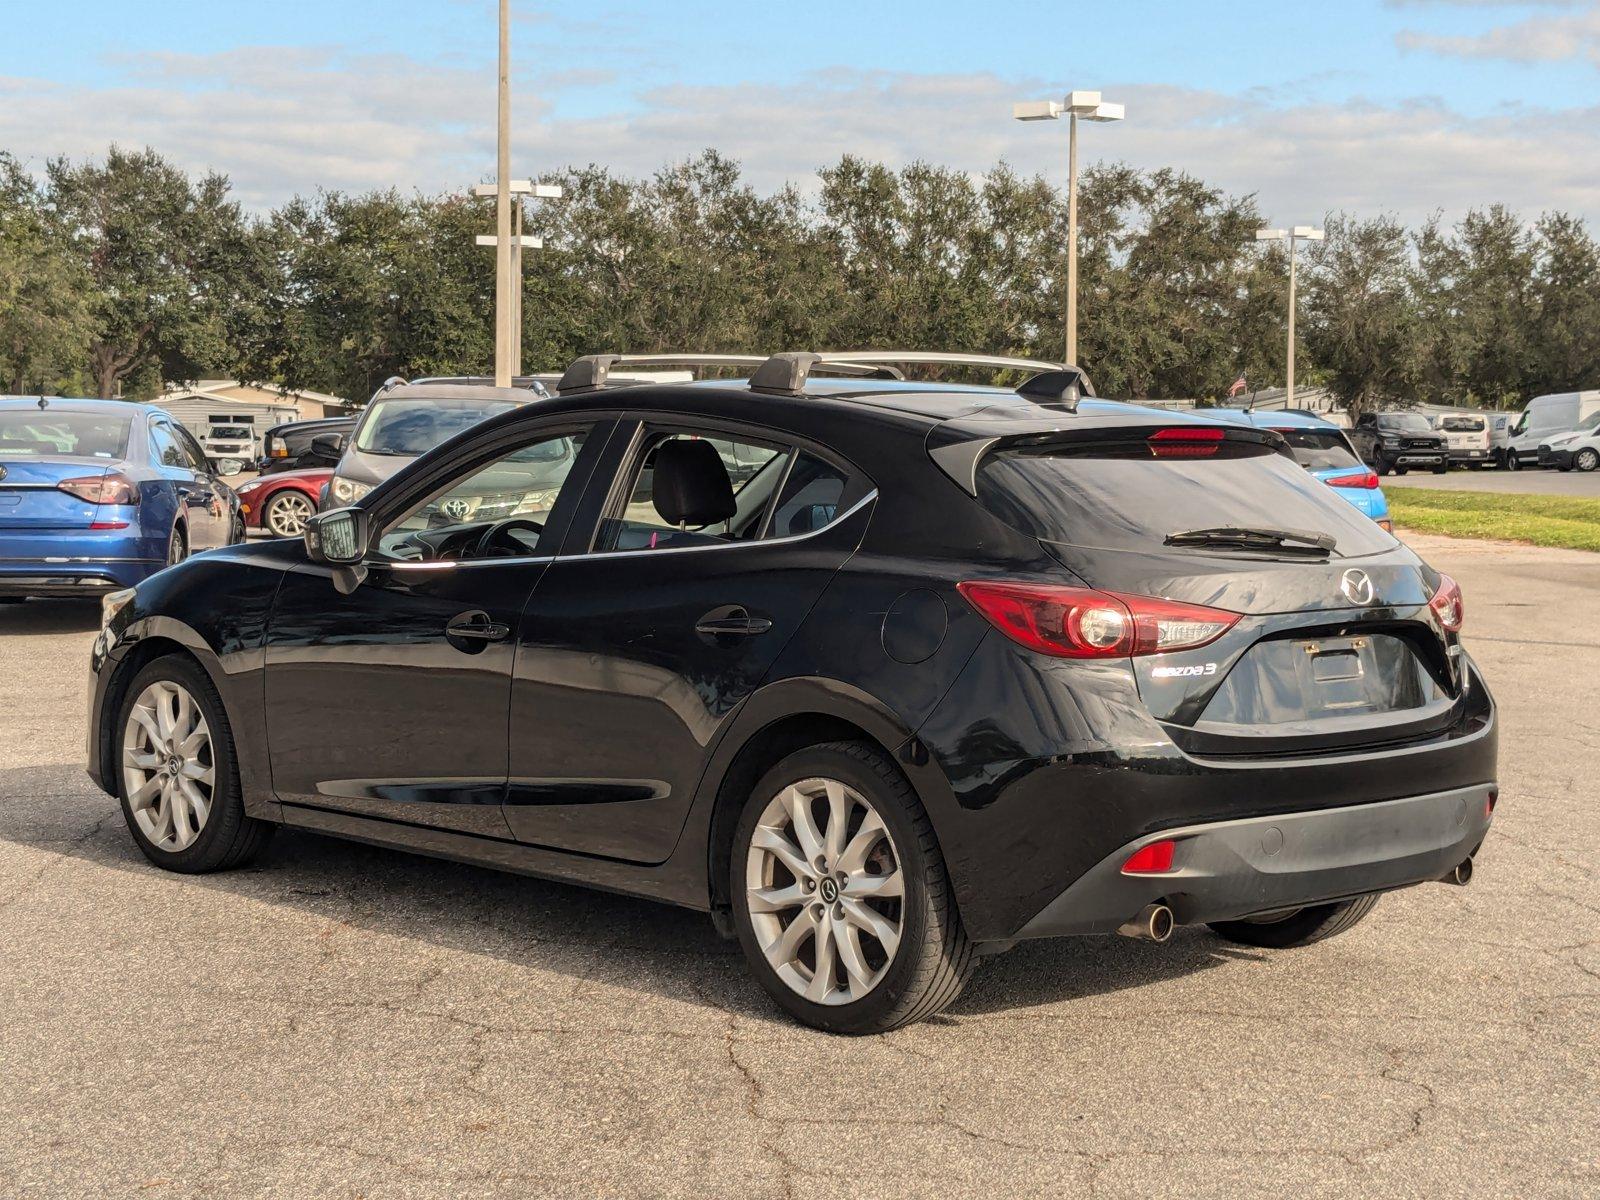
[286,514]
[1297,927]
[177,546]
[1586,459]
[175,766]
[840,895]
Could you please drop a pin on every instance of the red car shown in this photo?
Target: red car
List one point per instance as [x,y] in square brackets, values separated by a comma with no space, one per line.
[281,502]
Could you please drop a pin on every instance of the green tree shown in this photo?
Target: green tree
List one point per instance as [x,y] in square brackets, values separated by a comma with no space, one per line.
[44,292]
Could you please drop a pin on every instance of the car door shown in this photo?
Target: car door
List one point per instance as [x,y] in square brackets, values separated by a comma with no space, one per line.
[199,492]
[670,602]
[390,701]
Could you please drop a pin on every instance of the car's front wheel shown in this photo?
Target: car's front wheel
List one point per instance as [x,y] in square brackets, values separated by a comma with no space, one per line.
[840,894]
[1513,463]
[178,783]
[286,514]
[1298,927]
[1586,459]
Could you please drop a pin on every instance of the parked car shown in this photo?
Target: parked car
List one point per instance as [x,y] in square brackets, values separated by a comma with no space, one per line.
[1399,442]
[1544,418]
[230,446]
[1579,449]
[955,667]
[281,502]
[100,494]
[1322,448]
[1466,437]
[291,446]
[401,422]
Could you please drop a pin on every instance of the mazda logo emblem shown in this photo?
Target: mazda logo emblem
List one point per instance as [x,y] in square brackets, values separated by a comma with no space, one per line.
[1356,586]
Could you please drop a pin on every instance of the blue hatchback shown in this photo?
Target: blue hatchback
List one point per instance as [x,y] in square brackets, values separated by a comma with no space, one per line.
[1322,448]
[100,494]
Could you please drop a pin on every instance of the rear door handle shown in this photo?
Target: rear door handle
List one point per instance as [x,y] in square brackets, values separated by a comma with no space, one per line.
[732,620]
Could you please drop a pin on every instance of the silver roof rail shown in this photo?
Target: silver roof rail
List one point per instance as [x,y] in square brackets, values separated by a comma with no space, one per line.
[1047,382]
[591,372]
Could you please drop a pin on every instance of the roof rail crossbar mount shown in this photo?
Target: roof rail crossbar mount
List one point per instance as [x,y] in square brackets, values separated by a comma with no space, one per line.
[1062,387]
[590,372]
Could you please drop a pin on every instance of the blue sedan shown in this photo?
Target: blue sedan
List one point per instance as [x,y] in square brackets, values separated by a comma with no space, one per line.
[1322,448]
[99,494]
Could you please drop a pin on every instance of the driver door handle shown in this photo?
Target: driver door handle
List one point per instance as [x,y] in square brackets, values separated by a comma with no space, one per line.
[731,622]
[477,627]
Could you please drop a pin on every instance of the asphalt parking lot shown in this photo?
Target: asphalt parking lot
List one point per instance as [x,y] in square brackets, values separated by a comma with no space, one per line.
[1532,482]
[346,1021]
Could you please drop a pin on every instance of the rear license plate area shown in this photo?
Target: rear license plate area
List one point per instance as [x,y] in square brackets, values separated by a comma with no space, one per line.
[1335,666]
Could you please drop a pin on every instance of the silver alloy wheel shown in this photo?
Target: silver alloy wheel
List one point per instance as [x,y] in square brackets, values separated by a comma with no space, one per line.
[177,547]
[826,898]
[168,770]
[288,513]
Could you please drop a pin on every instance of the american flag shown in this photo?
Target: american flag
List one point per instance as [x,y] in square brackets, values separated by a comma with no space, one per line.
[1239,385]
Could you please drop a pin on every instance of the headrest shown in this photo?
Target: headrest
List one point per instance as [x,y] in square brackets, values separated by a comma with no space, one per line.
[691,485]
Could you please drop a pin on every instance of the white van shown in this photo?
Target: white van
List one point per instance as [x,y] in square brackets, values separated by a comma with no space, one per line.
[1544,418]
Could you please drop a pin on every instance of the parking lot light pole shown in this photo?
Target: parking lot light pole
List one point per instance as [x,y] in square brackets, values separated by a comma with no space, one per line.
[1090,107]
[519,242]
[1300,233]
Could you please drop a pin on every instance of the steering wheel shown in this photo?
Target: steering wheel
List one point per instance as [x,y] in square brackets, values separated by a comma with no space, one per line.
[495,544]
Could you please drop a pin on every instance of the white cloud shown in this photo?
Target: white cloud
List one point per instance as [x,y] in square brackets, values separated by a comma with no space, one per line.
[1542,38]
[281,121]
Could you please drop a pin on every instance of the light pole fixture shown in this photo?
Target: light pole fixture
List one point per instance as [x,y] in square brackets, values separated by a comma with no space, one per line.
[519,242]
[1090,107]
[1300,233]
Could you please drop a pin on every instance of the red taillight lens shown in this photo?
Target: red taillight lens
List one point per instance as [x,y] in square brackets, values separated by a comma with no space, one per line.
[1185,441]
[110,488]
[1361,479]
[1154,859]
[1082,623]
[1446,605]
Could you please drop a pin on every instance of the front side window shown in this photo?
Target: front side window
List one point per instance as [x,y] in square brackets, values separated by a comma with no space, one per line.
[494,511]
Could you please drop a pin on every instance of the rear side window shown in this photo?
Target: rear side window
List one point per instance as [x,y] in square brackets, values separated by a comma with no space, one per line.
[1319,449]
[1119,496]
[810,498]
[690,490]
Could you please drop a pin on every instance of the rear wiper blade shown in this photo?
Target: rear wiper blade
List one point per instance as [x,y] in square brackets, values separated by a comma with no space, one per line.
[1255,539]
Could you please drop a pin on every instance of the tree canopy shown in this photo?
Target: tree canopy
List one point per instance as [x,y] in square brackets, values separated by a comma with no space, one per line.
[117,275]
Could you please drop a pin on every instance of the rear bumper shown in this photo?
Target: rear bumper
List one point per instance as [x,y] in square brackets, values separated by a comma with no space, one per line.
[62,577]
[1474,455]
[1225,870]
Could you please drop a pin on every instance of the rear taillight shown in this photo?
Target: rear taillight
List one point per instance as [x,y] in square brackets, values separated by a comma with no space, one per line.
[1359,479]
[1185,441]
[1072,622]
[1446,605]
[110,488]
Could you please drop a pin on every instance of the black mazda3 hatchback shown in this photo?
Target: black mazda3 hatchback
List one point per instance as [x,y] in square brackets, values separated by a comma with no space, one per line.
[941,668]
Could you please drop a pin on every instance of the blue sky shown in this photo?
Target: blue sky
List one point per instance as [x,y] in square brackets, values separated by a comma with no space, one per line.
[1408,106]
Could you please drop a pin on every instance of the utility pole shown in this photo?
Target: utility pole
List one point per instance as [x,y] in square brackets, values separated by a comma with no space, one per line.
[504,300]
[1300,233]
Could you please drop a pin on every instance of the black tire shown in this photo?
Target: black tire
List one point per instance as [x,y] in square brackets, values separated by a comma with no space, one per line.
[236,532]
[1441,470]
[229,837]
[1401,470]
[934,959]
[177,546]
[1299,928]
[1586,459]
[1381,465]
[1513,463]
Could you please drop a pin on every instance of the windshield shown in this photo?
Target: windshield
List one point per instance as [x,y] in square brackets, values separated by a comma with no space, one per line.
[411,427]
[231,432]
[1319,449]
[77,435]
[1462,424]
[1408,422]
[1117,496]
[1589,422]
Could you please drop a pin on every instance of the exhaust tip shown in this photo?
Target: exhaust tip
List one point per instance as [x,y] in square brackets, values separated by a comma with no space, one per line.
[1461,874]
[1152,923]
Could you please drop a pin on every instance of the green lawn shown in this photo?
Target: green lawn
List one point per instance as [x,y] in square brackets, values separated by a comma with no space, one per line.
[1570,522]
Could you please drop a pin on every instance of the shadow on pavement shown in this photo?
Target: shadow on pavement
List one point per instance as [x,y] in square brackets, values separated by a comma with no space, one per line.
[34,617]
[616,940]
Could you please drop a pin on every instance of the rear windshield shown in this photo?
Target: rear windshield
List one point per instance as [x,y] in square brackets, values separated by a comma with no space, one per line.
[75,435]
[1120,497]
[1462,424]
[1319,449]
[413,427]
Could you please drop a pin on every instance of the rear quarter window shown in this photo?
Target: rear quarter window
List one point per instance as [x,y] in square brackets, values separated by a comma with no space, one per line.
[1119,496]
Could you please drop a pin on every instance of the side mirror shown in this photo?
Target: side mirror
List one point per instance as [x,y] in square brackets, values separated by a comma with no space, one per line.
[337,538]
[328,445]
